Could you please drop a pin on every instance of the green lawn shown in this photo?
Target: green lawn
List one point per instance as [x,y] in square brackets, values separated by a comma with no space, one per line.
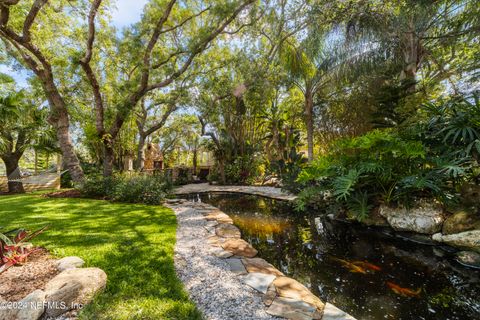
[133,244]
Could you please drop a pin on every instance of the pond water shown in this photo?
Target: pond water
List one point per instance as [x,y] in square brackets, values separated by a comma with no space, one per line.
[360,270]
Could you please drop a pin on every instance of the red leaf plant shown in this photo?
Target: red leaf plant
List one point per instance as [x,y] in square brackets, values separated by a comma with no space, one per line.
[15,247]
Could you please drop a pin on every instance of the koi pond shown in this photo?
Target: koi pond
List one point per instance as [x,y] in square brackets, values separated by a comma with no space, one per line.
[369,273]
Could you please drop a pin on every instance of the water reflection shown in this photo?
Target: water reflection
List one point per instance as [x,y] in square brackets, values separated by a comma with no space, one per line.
[308,248]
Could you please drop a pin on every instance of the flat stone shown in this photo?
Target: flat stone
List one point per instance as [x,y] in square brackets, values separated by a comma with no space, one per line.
[211,224]
[290,288]
[270,295]
[227,231]
[330,312]
[469,240]
[469,258]
[220,253]
[224,219]
[236,266]
[259,265]
[240,247]
[213,215]
[258,281]
[291,308]
[219,217]
[70,263]
[32,306]
[215,241]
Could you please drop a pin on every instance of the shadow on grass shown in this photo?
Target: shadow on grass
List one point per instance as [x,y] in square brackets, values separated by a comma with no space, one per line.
[133,244]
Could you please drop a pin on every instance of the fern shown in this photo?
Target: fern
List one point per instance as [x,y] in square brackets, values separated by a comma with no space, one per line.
[358,204]
[343,185]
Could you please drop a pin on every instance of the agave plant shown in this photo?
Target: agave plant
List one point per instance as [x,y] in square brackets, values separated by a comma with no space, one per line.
[15,247]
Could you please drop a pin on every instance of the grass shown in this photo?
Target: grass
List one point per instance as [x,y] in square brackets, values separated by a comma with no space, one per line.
[133,244]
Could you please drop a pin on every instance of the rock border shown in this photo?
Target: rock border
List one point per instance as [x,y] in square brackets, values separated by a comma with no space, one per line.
[63,295]
[225,278]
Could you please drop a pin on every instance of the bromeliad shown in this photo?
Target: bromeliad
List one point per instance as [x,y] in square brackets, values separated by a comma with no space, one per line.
[15,247]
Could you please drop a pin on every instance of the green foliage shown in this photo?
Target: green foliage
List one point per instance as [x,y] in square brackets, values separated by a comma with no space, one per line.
[145,189]
[453,126]
[291,162]
[243,170]
[380,166]
[430,158]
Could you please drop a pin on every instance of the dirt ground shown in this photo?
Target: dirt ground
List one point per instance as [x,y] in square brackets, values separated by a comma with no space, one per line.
[19,281]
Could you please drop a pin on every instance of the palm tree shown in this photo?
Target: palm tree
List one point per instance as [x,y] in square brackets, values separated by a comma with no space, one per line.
[22,125]
[309,65]
[407,35]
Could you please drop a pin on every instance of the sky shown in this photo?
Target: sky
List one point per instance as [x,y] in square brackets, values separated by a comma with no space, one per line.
[126,13]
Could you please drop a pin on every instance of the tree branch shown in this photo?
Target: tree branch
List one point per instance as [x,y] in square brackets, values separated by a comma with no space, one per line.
[30,19]
[151,44]
[87,68]
[200,48]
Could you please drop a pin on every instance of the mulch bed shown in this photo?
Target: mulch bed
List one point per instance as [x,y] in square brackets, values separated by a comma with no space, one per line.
[64,194]
[17,282]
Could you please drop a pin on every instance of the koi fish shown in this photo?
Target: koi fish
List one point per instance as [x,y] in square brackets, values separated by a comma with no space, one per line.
[404,292]
[352,267]
[367,265]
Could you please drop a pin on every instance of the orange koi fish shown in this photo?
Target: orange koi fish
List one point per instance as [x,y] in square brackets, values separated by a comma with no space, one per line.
[404,292]
[367,265]
[352,267]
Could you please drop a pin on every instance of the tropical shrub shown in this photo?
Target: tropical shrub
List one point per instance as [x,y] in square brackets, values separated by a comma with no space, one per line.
[378,167]
[242,170]
[15,247]
[133,189]
[290,163]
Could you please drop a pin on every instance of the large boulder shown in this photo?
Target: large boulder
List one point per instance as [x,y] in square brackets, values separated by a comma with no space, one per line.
[461,221]
[70,263]
[29,308]
[34,306]
[73,288]
[469,240]
[425,218]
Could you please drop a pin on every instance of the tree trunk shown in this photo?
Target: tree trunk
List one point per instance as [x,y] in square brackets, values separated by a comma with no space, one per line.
[309,122]
[412,54]
[59,119]
[108,159]
[194,160]
[11,166]
[69,156]
[140,153]
[36,161]
[221,167]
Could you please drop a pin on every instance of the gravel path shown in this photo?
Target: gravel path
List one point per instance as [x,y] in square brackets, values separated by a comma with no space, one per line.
[217,292]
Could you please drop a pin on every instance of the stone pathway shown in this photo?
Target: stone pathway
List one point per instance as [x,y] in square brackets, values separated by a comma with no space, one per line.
[269,192]
[225,278]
